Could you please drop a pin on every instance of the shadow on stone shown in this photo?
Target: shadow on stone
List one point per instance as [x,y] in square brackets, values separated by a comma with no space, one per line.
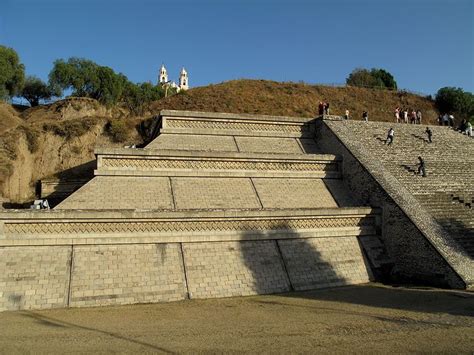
[280,260]
[420,138]
[68,181]
[462,231]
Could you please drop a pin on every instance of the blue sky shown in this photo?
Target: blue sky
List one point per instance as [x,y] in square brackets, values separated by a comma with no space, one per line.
[425,44]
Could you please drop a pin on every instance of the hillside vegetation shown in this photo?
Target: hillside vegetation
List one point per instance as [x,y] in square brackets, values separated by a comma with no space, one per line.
[295,99]
[53,140]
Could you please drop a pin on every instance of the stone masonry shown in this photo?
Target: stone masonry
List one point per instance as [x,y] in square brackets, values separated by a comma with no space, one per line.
[217,205]
[428,239]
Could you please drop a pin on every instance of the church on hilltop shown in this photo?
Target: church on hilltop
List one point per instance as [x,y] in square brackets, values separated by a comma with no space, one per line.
[183,79]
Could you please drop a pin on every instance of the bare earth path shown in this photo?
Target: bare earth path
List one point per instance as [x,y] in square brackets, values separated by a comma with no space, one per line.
[370,318]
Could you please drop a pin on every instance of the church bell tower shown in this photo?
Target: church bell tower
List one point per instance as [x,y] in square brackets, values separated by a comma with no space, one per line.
[183,80]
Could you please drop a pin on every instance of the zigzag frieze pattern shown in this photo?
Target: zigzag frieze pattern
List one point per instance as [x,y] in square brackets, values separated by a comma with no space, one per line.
[156,164]
[182,226]
[236,126]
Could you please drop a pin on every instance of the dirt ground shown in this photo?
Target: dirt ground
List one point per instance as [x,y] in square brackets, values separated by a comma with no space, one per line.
[369,318]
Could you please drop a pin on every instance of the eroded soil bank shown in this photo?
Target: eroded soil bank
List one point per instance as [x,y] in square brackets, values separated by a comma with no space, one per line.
[369,318]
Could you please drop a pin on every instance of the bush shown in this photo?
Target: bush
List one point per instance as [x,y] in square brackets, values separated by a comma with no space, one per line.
[375,78]
[118,130]
[31,136]
[71,129]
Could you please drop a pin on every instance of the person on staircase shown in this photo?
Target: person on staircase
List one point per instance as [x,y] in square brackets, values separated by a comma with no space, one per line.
[397,114]
[469,129]
[347,115]
[421,167]
[413,117]
[321,108]
[390,135]
[365,116]
[326,108]
[429,132]
[405,115]
[418,117]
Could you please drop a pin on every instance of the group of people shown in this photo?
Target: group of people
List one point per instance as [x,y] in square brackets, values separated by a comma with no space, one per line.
[446,120]
[465,127]
[405,115]
[323,108]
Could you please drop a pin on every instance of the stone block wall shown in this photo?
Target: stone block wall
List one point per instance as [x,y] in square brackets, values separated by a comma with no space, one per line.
[34,277]
[323,262]
[234,269]
[111,274]
[121,274]
[122,192]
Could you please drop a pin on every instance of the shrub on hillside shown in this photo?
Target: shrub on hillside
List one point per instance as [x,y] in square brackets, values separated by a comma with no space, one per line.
[375,78]
[137,96]
[32,138]
[118,130]
[71,129]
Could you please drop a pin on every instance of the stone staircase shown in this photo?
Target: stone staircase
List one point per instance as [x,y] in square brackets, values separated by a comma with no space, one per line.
[448,190]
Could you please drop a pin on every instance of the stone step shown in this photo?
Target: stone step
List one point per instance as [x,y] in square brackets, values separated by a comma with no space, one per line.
[155,162]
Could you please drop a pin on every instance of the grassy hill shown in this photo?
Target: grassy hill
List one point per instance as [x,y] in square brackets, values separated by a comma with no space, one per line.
[295,99]
[52,140]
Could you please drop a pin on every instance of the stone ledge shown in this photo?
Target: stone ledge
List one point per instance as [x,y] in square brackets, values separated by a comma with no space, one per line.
[110,215]
[220,173]
[184,237]
[234,132]
[172,154]
[235,116]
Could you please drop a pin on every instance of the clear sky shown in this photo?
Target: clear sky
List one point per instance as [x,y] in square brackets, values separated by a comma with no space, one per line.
[425,44]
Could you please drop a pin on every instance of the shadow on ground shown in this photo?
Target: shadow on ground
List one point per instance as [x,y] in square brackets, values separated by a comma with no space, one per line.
[297,266]
[408,298]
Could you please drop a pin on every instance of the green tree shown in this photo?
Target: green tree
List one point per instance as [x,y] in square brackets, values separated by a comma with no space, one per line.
[455,100]
[137,96]
[374,78]
[87,79]
[12,73]
[35,90]
[385,78]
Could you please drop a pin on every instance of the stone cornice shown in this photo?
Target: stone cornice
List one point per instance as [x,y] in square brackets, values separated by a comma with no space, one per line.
[233,116]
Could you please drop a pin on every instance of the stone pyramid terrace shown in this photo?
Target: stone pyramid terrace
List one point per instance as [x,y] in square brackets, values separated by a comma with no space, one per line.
[222,205]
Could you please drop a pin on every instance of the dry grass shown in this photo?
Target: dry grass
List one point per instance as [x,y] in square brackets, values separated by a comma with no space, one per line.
[119,130]
[295,99]
[9,117]
[72,128]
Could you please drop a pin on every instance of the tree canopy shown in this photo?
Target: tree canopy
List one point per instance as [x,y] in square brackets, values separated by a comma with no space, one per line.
[455,100]
[87,79]
[374,78]
[135,96]
[12,73]
[35,90]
